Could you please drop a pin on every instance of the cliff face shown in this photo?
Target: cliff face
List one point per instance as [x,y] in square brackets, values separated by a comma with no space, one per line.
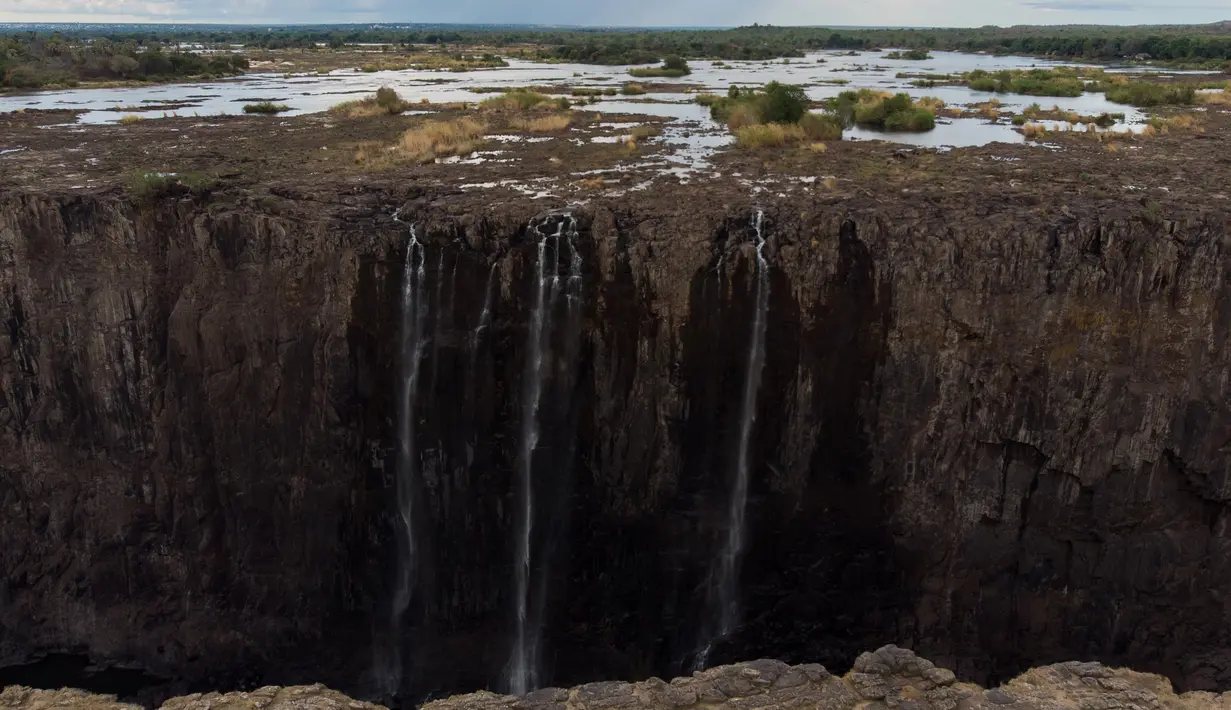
[1002,439]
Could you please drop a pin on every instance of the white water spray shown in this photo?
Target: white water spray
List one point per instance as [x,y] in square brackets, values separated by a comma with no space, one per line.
[726,577]
[522,670]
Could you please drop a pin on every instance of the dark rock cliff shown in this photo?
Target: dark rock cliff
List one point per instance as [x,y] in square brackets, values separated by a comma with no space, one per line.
[1002,439]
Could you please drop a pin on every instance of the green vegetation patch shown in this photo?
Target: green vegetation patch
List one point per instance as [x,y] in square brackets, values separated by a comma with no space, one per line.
[1142,93]
[673,68]
[876,109]
[266,107]
[1032,82]
[911,54]
[524,99]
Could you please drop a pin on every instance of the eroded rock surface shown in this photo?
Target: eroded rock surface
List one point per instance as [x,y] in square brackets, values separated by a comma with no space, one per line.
[998,432]
[890,677]
[304,697]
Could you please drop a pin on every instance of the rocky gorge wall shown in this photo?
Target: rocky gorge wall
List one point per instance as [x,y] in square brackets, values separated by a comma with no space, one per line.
[1001,439]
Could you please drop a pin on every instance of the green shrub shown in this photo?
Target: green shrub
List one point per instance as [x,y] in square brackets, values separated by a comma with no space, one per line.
[149,185]
[782,103]
[390,101]
[912,119]
[1032,82]
[914,54]
[673,68]
[676,63]
[1142,93]
[632,89]
[777,103]
[821,126]
[867,107]
[517,99]
[266,107]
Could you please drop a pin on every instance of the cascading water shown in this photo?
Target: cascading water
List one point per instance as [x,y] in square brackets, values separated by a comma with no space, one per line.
[724,578]
[414,316]
[485,317]
[522,669]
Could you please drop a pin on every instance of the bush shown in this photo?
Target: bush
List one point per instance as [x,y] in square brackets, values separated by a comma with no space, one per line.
[544,124]
[676,63]
[149,186]
[782,103]
[521,99]
[1142,93]
[1032,82]
[914,119]
[390,101]
[777,103]
[742,115]
[821,126]
[892,113]
[440,138]
[266,107]
[632,89]
[766,135]
[673,68]
[915,54]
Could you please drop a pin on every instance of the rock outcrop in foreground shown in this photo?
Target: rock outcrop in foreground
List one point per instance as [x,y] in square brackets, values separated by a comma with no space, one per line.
[891,677]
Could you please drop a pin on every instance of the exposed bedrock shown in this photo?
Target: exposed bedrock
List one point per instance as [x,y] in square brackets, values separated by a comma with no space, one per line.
[999,437]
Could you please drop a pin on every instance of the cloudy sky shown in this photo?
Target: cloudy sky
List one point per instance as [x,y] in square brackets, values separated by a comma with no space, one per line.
[628,12]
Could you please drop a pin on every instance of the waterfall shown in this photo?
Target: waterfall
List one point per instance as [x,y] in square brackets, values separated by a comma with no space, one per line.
[522,669]
[485,317]
[414,314]
[725,579]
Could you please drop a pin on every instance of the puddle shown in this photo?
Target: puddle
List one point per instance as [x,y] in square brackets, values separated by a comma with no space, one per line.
[6,151]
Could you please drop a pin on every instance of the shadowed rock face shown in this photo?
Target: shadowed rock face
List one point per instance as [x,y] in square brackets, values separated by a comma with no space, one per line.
[1003,440]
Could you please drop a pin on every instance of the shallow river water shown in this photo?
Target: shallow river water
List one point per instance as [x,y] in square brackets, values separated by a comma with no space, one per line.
[692,134]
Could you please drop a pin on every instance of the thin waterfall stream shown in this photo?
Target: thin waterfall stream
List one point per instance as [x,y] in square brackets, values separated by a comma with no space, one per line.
[414,315]
[724,591]
[523,667]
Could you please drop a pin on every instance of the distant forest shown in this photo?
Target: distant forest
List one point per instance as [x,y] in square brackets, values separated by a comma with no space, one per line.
[29,59]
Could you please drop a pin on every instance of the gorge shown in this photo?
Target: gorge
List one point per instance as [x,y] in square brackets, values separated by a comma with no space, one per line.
[412,441]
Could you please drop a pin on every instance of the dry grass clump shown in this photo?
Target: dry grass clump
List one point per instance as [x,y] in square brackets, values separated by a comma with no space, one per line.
[933,104]
[130,119]
[640,132]
[1034,130]
[989,109]
[432,140]
[1181,123]
[1216,98]
[542,124]
[524,99]
[440,138]
[818,147]
[385,101]
[767,135]
[742,116]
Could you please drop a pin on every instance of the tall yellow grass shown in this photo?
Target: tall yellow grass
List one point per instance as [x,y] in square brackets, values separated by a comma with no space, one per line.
[543,124]
[435,139]
[766,135]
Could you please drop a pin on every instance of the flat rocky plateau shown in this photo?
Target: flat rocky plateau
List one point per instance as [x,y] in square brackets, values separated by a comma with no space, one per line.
[890,677]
